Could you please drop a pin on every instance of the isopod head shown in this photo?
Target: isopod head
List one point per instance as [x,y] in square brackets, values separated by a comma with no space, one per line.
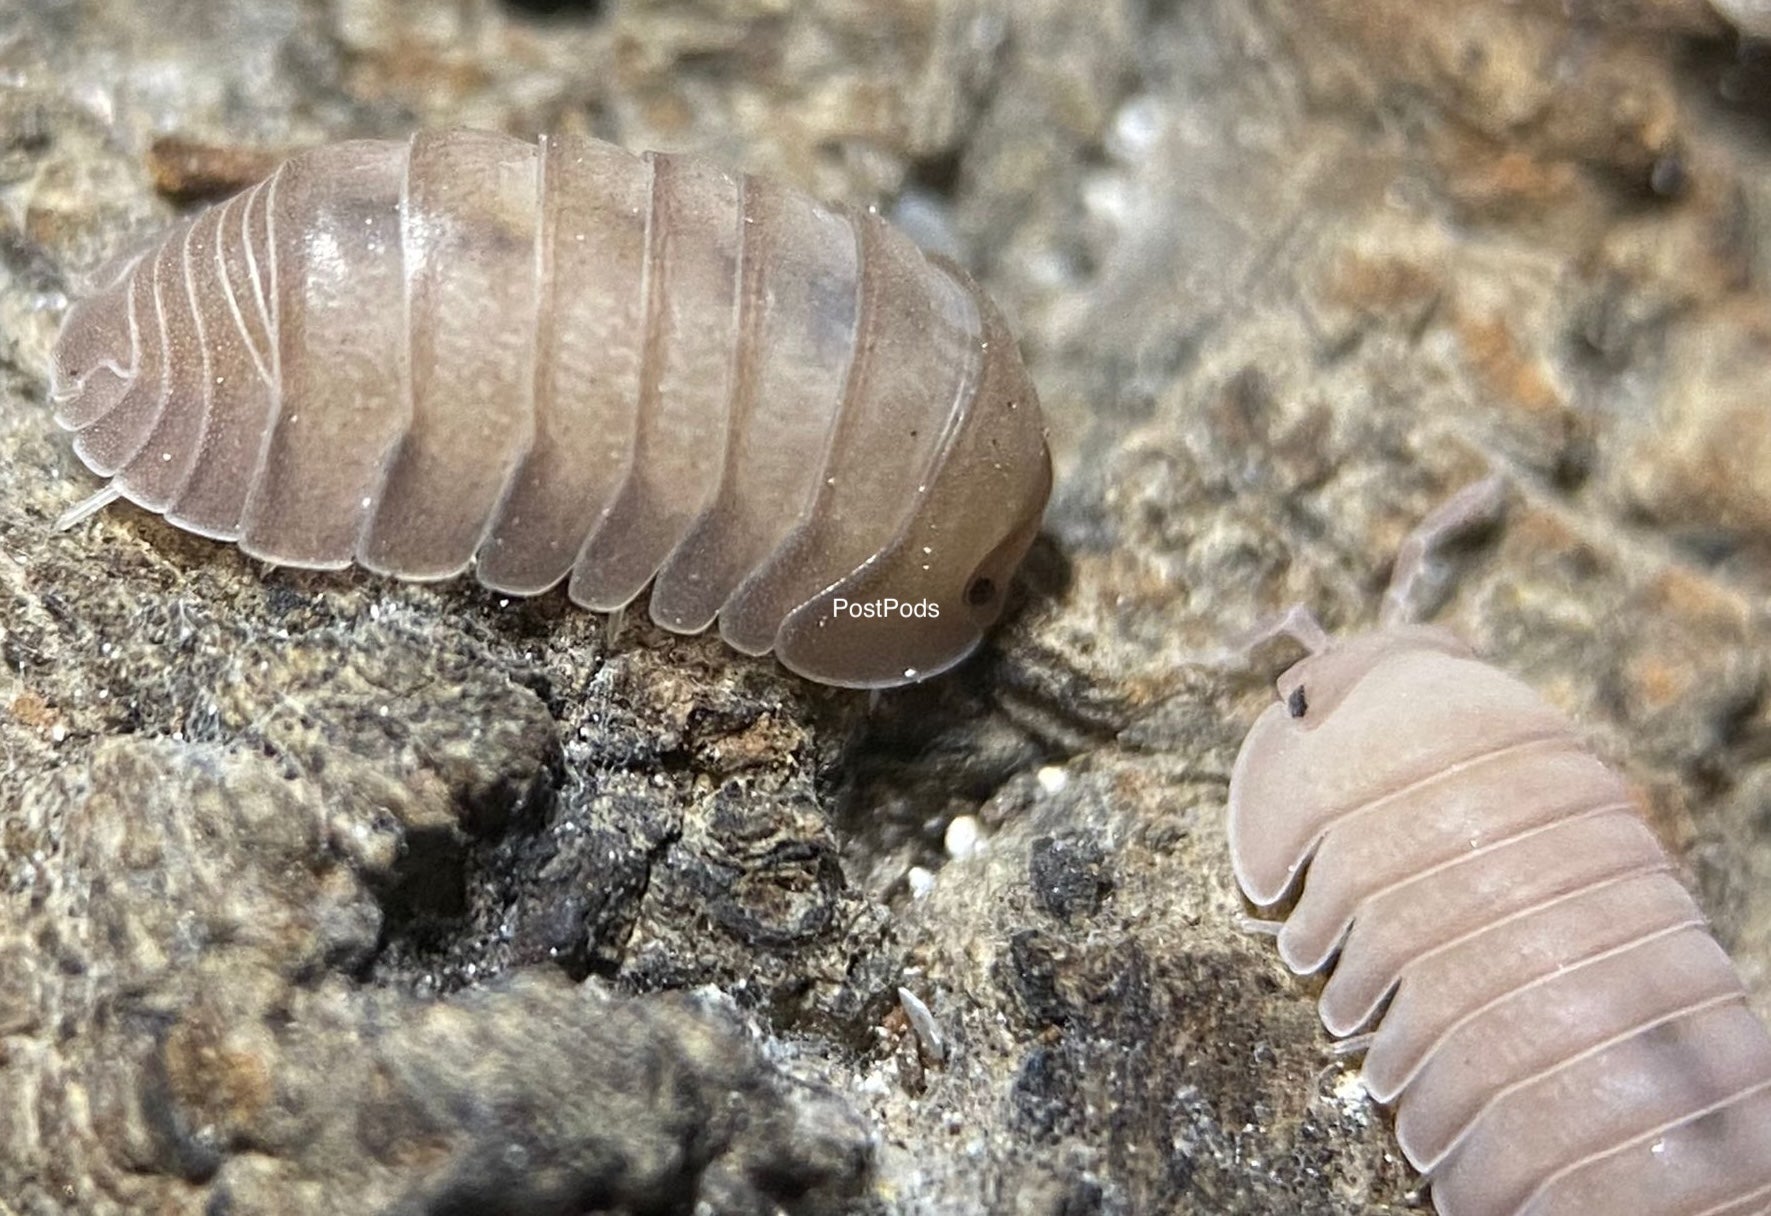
[1284,764]
[1333,733]
[96,357]
[949,568]
[1314,686]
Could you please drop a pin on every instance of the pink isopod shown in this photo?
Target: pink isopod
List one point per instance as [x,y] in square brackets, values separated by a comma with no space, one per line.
[566,363]
[1562,1035]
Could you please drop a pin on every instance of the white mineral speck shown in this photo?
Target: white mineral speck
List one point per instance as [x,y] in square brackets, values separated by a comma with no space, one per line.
[1136,127]
[963,837]
[1350,1088]
[928,1031]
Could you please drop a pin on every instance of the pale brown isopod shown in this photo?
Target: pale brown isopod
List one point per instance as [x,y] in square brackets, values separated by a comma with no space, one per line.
[569,362]
[1563,1035]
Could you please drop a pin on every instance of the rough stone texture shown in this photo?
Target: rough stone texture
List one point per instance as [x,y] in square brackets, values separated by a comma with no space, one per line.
[321,894]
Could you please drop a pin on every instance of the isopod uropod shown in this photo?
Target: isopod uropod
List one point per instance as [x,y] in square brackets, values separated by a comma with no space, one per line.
[568,362]
[1562,1034]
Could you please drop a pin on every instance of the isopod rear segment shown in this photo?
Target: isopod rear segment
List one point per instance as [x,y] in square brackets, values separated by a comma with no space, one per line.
[1543,1001]
[568,363]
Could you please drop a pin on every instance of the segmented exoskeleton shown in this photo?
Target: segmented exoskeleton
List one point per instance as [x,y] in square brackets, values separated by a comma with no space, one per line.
[569,362]
[1562,1035]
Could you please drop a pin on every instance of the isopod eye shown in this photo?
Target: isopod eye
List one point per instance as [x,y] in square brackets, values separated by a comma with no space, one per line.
[1296,705]
[981,593]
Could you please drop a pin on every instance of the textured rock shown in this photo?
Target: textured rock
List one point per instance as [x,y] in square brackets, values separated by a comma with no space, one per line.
[184,1032]
[324,894]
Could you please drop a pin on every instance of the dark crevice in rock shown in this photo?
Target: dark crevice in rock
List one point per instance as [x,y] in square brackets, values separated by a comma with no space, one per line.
[939,173]
[562,10]
[450,876]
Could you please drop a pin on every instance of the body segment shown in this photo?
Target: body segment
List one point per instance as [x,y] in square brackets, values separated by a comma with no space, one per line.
[566,362]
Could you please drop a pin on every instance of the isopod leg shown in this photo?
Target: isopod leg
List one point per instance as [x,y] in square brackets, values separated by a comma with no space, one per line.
[922,1022]
[1352,1045]
[87,507]
[1477,506]
[612,627]
[1257,926]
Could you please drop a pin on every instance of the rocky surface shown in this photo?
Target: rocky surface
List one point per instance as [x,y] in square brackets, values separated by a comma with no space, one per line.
[323,894]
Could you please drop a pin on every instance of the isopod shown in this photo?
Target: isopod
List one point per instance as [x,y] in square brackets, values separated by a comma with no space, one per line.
[566,362]
[1562,1034]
